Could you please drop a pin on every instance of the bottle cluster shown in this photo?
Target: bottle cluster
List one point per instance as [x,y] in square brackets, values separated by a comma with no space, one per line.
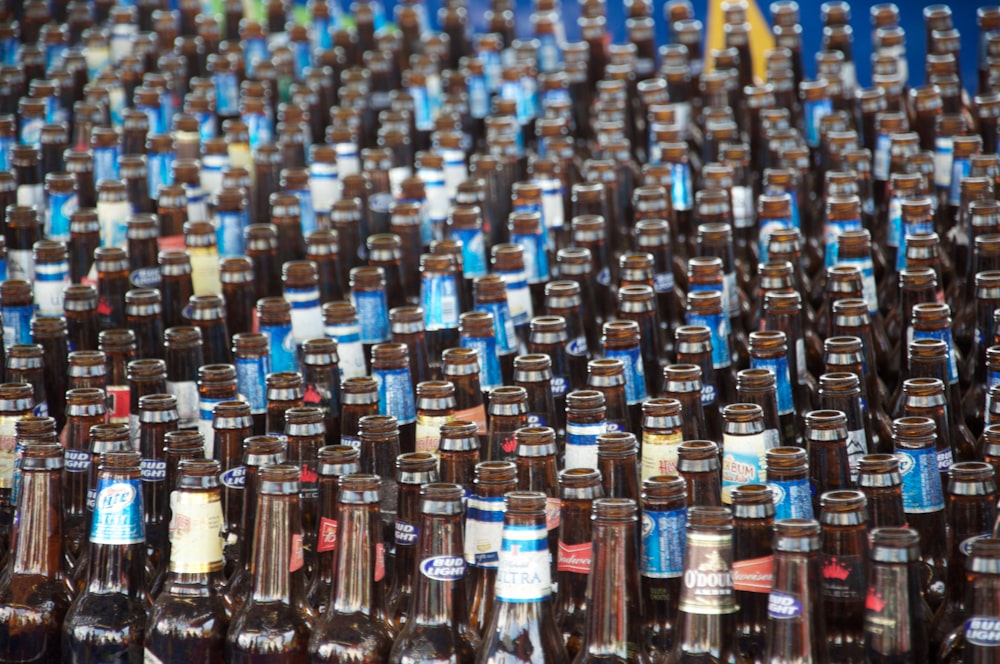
[335,336]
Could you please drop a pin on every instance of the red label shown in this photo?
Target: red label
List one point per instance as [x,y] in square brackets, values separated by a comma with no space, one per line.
[874,602]
[509,444]
[753,575]
[298,559]
[118,403]
[379,561]
[308,475]
[574,557]
[327,539]
[312,395]
[170,242]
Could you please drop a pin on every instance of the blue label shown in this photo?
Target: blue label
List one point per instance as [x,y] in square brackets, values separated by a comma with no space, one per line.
[945,336]
[77,461]
[768,226]
[536,260]
[307,214]
[258,129]
[159,172]
[227,94]
[117,512]
[479,97]
[833,231]
[792,499]
[814,112]
[251,374]
[635,377]
[17,324]
[503,325]
[61,207]
[489,361]
[960,168]
[31,131]
[421,108]
[921,480]
[909,228]
[106,164]
[782,606]
[406,533]
[395,395]
[282,344]
[230,233]
[234,478]
[719,325]
[373,316]
[681,192]
[779,367]
[153,470]
[439,298]
[663,543]
[443,568]
[473,252]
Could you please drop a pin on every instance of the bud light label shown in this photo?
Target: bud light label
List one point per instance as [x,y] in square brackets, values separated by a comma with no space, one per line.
[781,606]
[983,631]
[234,478]
[76,461]
[921,480]
[662,544]
[406,533]
[577,346]
[443,568]
[153,470]
[117,513]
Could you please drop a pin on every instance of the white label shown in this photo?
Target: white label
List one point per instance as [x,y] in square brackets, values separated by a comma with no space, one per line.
[944,147]
[523,574]
[195,532]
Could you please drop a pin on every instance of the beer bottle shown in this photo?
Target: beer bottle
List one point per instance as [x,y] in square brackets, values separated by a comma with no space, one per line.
[563,299]
[438,600]
[534,374]
[508,412]
[80,311]
[85,407]
[284,392]
[753,511]
[923,499]
[477,332]
[796,619]
[355,625]
[183,354]
[844,565]
[707,602]
[896,615]
[788,478]
[335,461]
[114,592]
[304,436]
[608,376]
[744,447]
[189,618]
[391,368]
[618,461]
[826,438]
[483,533]
[579,488]
[361,399]
[321,375]
[683,382]
[662,546]
[413,470]
[769,350]
[34,592]
[25,365]
[118,347]
[157,417]
[975,638]
[614,544]
[698,465]
[272,622]
[971,507]
[258,451]
[694,346]
[461,367]
[661,434]
[705,308]
[458,454]
[406,326]
[522,620]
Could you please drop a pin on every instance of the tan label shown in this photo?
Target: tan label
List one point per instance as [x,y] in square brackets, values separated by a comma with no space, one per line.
[429,431]
[195,532]
[659,454]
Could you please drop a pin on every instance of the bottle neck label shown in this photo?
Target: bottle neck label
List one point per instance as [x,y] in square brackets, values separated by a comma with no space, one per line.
[350,352]
[475,414]
[581,444]
[395,394]
[117,512]
[536,261]
[814,112]
[574,558]
[635,374]
[429,431]
[779,367]
[983,631]
[439,297]
[832,231]
[681,191]
[234,478]
[373,316]
[503,326]
[753,575]
[921,480]
[443,568]
[484,531]
[659,453]
[945,336]
[742,462]
[282,343]
[186,392]
[768,226]
[518,297]
[719,325]
[909,228]
[307,319]
[663,543]
[944,149]
[250,376]
[792,498]
[195,532]
[523,573]
[707,582]
[783,606]
[473,252]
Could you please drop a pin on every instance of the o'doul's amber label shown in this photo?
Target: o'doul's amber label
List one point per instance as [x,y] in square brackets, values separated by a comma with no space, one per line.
[523,574]
[195,532]
[707,582]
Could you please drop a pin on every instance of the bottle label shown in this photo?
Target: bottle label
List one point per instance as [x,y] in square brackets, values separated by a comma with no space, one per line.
[792,499]
[944,149]
[944,460]
[234,478]
[206,415]
[484,531]
[895,230]
[663,543]
[51,280]
[250,376]
[523,573]
[983,631]
[581,444]
[282,343]
[843,576]
[857,447]
[921,480]
[395,394]
[195,532]
[814,112]
[349,350]
[373,316]
[553,213]
[909,228]
[782,606]
[76,461]
[659,453]
[959,170]
[768,226]
[307,318]
[326,538]
[536,261]
[518,297]
[429,431]
[681,191]
[779,367]
[743,462]
[118,403]
[833,231]
[350,441]
[486,349]
[868,285]
[439,298]
[117,512]
[297,557]
[476,414]
[574,558]
[443,568]
[186,392]
[945,336]
[553,513]
[635,374]
[719,325]
[474,262]
[743,206]
[153,470]
[707,582]
[503,326]
[753,575]
[406,533]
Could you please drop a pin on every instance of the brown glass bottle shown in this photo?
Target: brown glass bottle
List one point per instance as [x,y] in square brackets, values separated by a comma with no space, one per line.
[698,464]
[413,470]
[661,561]
[844,573]
[753,519]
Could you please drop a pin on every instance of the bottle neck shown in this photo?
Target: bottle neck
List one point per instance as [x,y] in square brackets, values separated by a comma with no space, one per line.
[613,590]
[277,548]
[38,547]
[359,562]
[440,567]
